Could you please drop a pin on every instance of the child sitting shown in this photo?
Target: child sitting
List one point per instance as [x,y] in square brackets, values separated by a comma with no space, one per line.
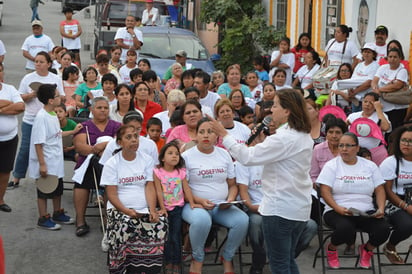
[69,127]
[154,130]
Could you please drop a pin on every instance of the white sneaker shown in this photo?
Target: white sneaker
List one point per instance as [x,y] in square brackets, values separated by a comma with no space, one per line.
[105,244]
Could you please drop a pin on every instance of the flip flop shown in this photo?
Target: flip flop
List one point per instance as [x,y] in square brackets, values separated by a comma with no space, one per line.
[393,256]
[5,208]
[82,230]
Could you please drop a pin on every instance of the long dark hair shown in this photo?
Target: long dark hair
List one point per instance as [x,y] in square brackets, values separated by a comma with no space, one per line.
[298,47]
[396,141]
[117,91]
[162,153]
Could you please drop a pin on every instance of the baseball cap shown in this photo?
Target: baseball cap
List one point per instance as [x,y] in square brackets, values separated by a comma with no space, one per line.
[381,29]
[181,53]
[369,46]
[36,23]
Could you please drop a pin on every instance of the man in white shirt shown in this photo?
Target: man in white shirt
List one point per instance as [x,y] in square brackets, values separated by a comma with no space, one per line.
[150,14]
[35,43]
[129,37]
[381,35]
[2,51]
[207,98]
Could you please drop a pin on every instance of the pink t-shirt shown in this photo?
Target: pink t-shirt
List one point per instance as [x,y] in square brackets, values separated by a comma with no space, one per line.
[172,186]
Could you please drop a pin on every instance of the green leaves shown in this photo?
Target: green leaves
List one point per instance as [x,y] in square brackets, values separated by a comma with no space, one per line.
[243,30]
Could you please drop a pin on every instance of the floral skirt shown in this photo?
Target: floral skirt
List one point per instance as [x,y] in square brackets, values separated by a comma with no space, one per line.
[136,245]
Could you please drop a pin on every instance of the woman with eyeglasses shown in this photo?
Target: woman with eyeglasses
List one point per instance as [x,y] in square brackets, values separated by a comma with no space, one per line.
[396,171]
[339,97]
[347,184]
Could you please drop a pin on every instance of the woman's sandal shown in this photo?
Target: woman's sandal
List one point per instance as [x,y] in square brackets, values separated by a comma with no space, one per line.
[82,230]
[392,256]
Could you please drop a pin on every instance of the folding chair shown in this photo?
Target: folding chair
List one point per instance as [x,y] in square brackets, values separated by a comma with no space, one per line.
[324,234]
[402,253]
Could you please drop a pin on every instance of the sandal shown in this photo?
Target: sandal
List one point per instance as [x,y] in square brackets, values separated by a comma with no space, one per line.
[392,256]
[82,230]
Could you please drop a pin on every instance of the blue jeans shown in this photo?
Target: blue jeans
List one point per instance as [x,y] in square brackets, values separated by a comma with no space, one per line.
[310,231]
[173,246]
[22,161]
[281,237]
[200,221]
[35,15]
[257,241]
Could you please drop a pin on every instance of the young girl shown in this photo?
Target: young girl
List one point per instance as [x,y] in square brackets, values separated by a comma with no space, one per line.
[269,92]
[70,83]
[172,187]
[283,59]
[261,68]
[300,50]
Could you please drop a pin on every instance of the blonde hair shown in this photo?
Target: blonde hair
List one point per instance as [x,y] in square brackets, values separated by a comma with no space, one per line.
[176,96]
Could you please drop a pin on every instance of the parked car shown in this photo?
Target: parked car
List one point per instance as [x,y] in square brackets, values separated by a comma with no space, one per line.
[77,4]
[1,12]
[160,43]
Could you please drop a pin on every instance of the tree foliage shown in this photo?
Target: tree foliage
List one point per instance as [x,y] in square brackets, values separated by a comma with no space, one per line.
[244,32]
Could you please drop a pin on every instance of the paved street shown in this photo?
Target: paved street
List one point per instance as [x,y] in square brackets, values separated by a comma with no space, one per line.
[32,250]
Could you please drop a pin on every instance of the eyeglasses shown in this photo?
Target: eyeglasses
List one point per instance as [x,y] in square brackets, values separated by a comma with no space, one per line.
[344,70]
[406,142]
[347,145]
[56,96]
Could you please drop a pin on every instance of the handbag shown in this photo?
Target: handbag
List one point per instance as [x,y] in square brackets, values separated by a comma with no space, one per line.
[402,96]
[399,97]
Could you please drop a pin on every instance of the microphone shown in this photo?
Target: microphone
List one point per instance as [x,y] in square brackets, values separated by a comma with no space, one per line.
[265,123]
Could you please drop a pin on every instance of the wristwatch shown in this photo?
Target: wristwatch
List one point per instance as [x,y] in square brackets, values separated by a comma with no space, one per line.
[133,36]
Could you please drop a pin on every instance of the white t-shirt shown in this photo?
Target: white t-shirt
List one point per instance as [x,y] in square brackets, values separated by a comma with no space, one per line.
[306,76]
[365,72]
[388,170]
[122,33]
[386,75]
[252,177]
[207,110]
[240,132]
[34,105]
[145,17]
[124,72]
[164,118]
[146,145]
[112,71]
[34,45]
[337,99]
[352,185]
[257,93]
[130,177]
[9,123]
[210,100]
[288,59]
[72,29]
[2,49]
[282,87]
[334,51]
[207,173]
[46,131]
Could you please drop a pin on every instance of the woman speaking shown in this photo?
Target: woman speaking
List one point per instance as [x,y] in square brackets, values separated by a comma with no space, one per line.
[286,184]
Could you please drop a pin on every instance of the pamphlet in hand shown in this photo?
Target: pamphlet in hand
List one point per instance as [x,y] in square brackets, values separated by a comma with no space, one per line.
[231,203]
[357,212]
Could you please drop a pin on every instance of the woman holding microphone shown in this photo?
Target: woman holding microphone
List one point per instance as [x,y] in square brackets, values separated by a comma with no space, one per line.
[286,184]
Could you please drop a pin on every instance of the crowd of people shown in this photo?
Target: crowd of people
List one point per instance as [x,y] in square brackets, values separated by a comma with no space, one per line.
[160,153]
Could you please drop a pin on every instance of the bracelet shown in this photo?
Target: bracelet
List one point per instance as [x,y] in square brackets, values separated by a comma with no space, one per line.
[400,204]
[406,206]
